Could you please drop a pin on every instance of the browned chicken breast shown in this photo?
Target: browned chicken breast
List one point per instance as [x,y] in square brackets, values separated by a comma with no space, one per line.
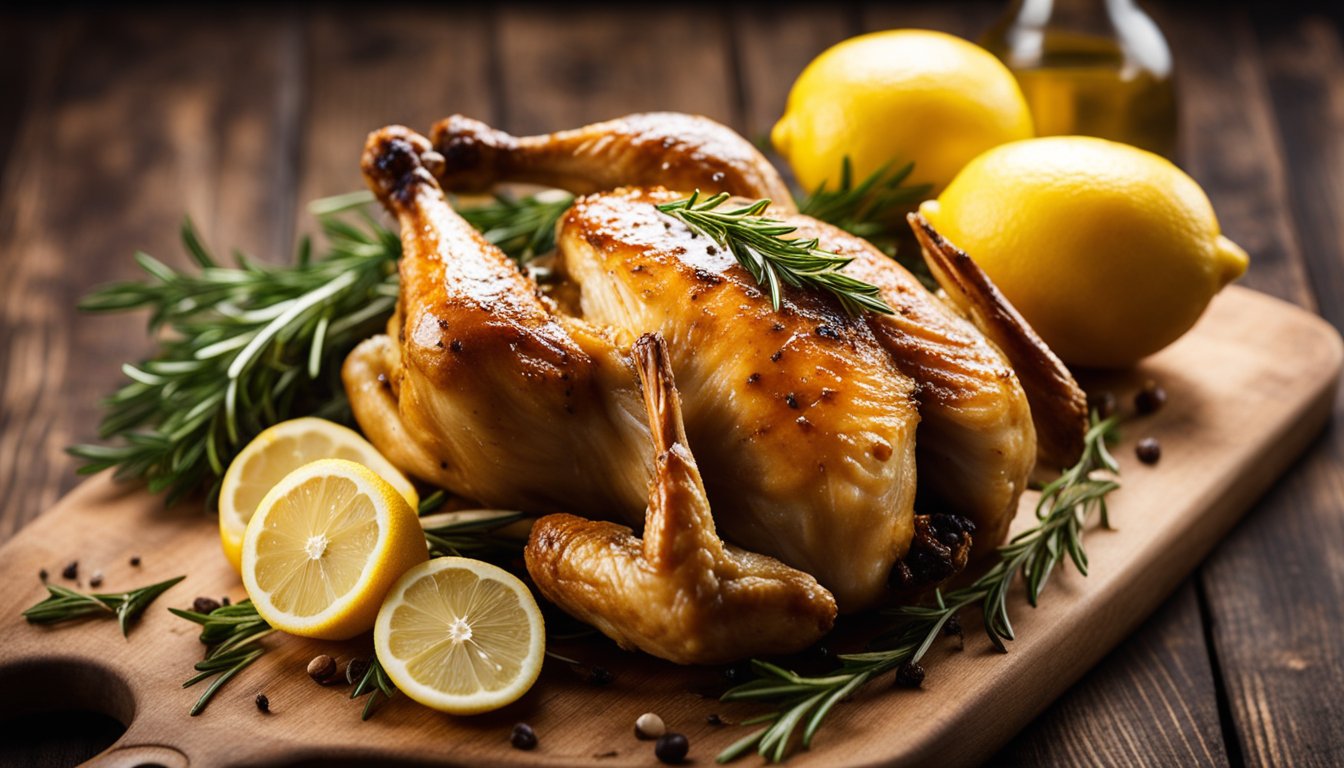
[680,594]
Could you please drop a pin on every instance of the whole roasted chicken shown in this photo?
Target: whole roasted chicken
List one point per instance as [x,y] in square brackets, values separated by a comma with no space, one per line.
[796,435]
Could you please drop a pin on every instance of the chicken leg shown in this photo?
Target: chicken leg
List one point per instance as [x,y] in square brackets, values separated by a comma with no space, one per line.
[680,593]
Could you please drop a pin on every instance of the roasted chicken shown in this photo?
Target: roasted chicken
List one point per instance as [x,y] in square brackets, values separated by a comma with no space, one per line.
[810,426]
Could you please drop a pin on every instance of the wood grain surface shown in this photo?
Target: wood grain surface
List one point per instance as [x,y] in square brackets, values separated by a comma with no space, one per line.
[1238,415]
[115,125]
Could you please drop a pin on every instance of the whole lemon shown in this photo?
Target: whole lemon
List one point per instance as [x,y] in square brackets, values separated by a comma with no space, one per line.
[906,95]
[1109,251]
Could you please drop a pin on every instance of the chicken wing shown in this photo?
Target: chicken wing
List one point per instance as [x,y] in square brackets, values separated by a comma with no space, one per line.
[680,593]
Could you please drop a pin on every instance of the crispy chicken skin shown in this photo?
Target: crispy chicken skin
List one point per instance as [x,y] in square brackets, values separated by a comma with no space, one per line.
[679,593]
[670,149]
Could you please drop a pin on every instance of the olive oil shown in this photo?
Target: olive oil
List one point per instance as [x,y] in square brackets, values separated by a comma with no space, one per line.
[1091,67]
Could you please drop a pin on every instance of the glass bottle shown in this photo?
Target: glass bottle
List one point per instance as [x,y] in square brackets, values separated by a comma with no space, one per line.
[1091,67]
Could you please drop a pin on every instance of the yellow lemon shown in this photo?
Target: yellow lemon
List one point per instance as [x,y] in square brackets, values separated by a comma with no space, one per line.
[325,546]
[1110,252]
[460,636]
[906,95]
[276,452]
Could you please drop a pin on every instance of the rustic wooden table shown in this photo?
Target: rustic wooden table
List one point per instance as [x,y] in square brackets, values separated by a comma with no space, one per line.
[115,125]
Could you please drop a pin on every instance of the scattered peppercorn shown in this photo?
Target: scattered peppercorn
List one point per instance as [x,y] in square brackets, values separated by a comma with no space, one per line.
[649,726]
[523,737]
[1104,403]
[671,748]
[205,605]
[224,601]
[714,719]
[910,675]
[1150,398]
[71,570]
[600,676]
[321,668]
[96,580]
[737,674]
[263,703]
[953,627]
[43,575]
[1148,450]
[354,671]
[135,561]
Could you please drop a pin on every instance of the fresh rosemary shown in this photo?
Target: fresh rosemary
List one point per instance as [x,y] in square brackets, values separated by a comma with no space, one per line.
[244,347]
[372,684]
[232,635]
[760,245]
[872,209]
[473,533]
[1063,511]
[64,604]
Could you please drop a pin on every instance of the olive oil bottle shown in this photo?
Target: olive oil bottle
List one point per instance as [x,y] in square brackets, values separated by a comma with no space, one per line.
[1091,67]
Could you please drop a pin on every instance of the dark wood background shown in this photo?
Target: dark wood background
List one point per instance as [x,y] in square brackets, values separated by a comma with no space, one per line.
[114,125]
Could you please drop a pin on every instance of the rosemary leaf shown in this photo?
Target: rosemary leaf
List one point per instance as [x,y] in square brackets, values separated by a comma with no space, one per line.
[372,684]
[64,604]
[1063,510]
[760,245]
[232,636]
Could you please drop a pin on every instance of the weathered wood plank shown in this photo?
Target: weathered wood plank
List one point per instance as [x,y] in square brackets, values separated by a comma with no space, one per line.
[1276,586]
[157,117]
[610,62]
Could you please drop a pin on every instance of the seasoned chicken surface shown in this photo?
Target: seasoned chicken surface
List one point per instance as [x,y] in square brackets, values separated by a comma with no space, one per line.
[680,593]
[813,429]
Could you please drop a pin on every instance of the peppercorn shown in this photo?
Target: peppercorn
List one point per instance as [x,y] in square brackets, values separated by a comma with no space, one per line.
[263,703]
[135,561]
[354,671]
[205,605]
[714,719]
[96,580]
[737,674]
[671,748]
[1104,403]
[649,726]
[43,575]
[71,570]
[1150,398]
[910,675]
[321,668]
[224,601]
[1148,450]
[523,737]
[600,676]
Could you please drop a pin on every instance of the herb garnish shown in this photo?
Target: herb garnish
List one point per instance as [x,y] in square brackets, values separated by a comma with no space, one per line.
[232,634]
[760,245]
[872,209]
[372,684]
[64,604]
[1064,508]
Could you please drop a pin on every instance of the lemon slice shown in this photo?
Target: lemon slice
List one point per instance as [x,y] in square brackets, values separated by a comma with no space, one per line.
[460,636]
[281,449]
[324,547]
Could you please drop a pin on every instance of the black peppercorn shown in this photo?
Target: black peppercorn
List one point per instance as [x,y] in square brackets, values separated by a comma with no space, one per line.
[224,601]
[42,574]
[1148,450]
[737,674]
[714,719]
[71,570]
[1104,403]
[600,676]
[671,748]
[1150,399]
[910,675]
[523,737]
[135,561]
[953,627]
[263,703]
[96,580]
[205,605]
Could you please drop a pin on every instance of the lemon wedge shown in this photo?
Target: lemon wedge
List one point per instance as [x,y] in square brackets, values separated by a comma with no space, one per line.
[460,636]
[281,449]
[325,545]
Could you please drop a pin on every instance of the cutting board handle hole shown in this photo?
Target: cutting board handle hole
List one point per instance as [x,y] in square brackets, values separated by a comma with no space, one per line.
[64,684]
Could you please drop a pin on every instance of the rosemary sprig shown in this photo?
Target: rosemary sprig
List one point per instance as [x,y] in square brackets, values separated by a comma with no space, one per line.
[760,245]
[473,533]
[372,684]
[872,208]
[523,228]
[1064,508]
[64,604]
[232,634]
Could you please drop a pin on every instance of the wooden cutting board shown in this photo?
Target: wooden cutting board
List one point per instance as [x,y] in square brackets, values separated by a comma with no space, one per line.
[1248,390]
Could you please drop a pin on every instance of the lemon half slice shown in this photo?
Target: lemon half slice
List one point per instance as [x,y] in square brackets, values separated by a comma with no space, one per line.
[460,636]
[324,547]
[281,449]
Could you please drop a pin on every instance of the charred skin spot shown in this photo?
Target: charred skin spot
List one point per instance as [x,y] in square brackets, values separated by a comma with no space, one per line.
[398,164]
[776,356]
[455,345]
[939,551]
[791,400]
[753,378]
[827,332]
